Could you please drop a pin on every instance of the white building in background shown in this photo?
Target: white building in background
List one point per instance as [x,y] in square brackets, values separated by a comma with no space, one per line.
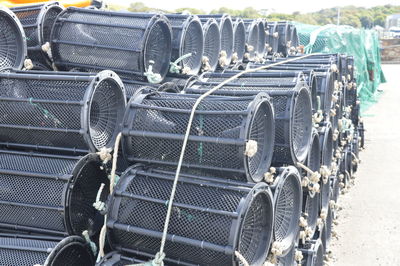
[393,21]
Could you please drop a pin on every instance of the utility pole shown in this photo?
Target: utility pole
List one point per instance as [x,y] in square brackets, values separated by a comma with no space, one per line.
[338,16]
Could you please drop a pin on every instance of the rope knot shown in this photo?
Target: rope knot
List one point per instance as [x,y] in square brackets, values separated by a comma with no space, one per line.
[105,154]
[251,148]
[270,176]
[223,58]
[205,61]
[28,65]
[151,76]
[99,205]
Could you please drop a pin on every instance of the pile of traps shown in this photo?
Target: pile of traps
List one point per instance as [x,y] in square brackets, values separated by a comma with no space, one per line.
[209,137]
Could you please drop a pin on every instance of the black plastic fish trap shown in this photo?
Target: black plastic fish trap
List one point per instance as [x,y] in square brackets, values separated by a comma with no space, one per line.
[262,38]
[292,108]
[284,33]
[63,112]
[294,38]
[72,250]
[50,194]
[209,220]
[128,43]
[37,21]
[313,253]
[251,39]
[273,38]
[288,196]
[187,38]
[239,40]
[326,144]
[13,48]
[226,36]
[222,130]
[311,199]
[212,45]
[326,86]
[355,149]
[335,185]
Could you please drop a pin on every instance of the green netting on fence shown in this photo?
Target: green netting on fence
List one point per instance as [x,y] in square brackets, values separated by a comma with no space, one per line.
[362,44]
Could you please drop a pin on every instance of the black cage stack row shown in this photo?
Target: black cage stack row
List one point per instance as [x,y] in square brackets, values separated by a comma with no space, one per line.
[267,154]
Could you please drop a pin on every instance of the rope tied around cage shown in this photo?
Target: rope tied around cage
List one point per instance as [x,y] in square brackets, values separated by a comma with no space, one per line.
[241,258]
[47,49]
[205,64]
[269,176]
[312,181]
[28,65]
[235,57]
[223,58]
[325,173]
[102,236]
[176,69]
[251,148]
[105,154]
[46,113]
[298,256]
[99,205]
[151,76]
[92,245]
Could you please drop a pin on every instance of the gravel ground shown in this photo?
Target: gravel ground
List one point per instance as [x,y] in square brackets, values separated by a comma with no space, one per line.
[368,230]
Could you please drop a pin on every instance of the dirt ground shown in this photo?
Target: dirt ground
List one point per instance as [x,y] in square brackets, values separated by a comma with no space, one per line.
[369,224]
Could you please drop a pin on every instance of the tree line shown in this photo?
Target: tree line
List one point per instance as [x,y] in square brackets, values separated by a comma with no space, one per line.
[349,15]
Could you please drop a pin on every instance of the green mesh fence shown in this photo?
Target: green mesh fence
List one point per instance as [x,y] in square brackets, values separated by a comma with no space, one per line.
[362,44]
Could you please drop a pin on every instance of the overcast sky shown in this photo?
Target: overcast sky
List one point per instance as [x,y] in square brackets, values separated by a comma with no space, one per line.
[284,6]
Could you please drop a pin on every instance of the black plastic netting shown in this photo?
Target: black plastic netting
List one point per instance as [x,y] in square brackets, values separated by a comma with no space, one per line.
[292,108]
[239,41]
[49,194]
[251,39]
[187,38]
[63,112]
[27,252]
[13,48]
[155,124]
[273,38]
[209,220]
[227,38]
[212,45]
[288,196]
[128,43]
[37,21]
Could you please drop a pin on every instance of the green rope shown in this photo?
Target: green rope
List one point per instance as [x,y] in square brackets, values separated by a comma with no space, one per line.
[45,112]
[152,77]
[93,246]
[174,65]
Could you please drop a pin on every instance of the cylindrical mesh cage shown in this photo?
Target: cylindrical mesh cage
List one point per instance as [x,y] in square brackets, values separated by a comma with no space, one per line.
[344,173]
[251,39]
[50,194]
[294,39]
[239,41]
[63,112]
[292,107]
[326,144]
[134,44]
[13,48]
[288,259]
[284,35]
[212,45]
[262,38]
[335,183]
[273,38]
[227,38]
[25,251]
[288,195]
[223,132]
[355,150]
[187,43]
[326,85]
[134,86]
[37,21]
[209,220]
[313,253]
[311,198]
